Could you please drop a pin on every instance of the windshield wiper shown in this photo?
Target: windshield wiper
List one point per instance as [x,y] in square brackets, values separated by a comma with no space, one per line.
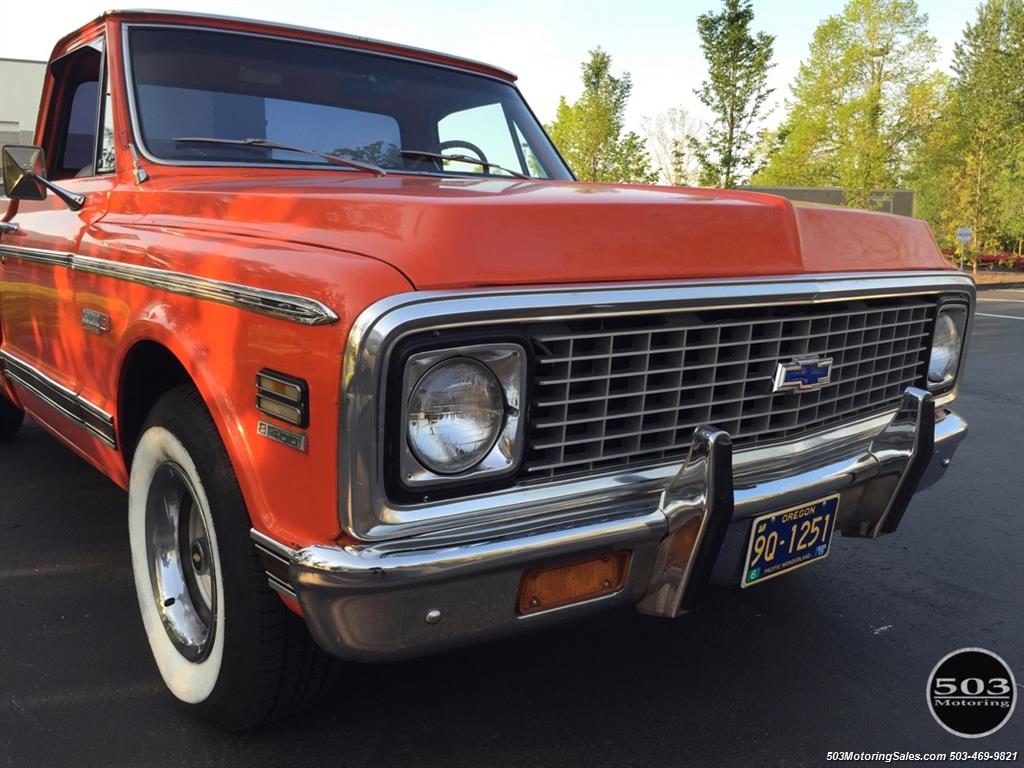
[266,144]
[462,159]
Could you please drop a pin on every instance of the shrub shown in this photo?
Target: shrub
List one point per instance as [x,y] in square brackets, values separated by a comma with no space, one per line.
[1001,261]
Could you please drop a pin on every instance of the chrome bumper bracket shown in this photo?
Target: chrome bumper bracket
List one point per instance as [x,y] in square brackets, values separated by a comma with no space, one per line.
[701,491]
[917,413]
[902,452]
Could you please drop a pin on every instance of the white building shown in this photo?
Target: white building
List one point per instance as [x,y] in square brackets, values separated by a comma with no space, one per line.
[21,85]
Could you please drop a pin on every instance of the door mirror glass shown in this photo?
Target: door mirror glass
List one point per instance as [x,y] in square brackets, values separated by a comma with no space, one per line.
[24,170]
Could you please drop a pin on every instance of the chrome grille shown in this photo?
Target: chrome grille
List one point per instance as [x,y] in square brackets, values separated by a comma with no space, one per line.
[617,391]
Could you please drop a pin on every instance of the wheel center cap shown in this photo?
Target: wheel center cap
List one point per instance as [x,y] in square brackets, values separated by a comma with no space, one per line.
[198,556]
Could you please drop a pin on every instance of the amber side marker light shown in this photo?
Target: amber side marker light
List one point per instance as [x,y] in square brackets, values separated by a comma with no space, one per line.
[542,589]
[282,396]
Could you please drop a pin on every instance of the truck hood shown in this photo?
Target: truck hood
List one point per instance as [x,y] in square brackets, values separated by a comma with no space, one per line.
[455,233]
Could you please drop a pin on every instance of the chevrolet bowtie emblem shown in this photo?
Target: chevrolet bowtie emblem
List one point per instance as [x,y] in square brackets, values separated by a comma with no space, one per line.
[803,374]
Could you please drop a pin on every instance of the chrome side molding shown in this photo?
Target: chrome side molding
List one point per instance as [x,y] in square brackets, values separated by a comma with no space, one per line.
[284,306]
[36,255]
[68,404]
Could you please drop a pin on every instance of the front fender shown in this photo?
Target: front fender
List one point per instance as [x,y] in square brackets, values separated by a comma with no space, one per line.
[289,493]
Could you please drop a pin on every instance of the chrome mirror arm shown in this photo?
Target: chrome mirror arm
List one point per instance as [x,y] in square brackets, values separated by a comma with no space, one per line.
[72,200]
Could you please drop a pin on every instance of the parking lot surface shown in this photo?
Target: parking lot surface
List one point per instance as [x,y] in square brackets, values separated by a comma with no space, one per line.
[833,657]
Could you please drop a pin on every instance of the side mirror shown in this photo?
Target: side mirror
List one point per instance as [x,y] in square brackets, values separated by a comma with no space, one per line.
[22,169]
[24,176]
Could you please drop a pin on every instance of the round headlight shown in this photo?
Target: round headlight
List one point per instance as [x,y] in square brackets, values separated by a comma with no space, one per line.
[455,415]
[945,350]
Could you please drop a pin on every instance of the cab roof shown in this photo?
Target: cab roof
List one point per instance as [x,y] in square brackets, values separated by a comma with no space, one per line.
[287,30]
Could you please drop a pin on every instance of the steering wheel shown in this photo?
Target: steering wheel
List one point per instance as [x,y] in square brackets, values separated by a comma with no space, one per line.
[460,144]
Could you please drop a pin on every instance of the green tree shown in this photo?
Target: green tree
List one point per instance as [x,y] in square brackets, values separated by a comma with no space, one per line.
[590,132]
[971,171]
[1011,197]
[736,92]
[861,103]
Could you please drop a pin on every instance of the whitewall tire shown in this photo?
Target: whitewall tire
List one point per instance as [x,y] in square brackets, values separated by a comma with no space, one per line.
[224,643]
[189,664]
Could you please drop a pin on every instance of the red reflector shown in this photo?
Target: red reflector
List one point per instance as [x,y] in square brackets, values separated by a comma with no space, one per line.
[545,588]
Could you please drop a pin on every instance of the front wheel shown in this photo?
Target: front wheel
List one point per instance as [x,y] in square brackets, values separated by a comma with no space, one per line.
[224,643]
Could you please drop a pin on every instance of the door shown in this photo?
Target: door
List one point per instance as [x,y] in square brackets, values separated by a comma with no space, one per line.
[42,335]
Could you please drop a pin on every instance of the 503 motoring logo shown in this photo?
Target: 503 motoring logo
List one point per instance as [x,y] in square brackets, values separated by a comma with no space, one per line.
[972,692]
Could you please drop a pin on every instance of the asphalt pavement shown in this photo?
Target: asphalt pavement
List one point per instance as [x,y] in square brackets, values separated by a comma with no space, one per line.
[832,657]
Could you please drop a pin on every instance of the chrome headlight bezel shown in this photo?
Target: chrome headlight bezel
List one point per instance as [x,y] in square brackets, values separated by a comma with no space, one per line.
[507,362]
[955,313]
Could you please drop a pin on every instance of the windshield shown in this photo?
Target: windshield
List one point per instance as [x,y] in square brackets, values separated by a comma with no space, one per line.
[391,112]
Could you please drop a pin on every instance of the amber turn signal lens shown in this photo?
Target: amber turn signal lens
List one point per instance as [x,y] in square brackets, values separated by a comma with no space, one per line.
[283,397]
[544,588]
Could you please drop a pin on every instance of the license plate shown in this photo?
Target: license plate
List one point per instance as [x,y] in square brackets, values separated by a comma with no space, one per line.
[788,539]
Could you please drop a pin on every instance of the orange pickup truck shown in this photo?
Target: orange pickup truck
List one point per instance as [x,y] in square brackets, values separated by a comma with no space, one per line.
[381,377]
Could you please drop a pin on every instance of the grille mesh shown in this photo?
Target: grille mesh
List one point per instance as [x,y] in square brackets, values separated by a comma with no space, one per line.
[629,390]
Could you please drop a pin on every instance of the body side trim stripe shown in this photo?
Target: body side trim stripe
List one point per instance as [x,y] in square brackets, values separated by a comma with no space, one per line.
[284,306]
[71,406]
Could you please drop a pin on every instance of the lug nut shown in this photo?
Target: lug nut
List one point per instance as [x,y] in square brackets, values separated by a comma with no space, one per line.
[433,616]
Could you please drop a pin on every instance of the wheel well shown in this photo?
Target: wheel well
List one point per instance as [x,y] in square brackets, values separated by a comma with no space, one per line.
[149,371]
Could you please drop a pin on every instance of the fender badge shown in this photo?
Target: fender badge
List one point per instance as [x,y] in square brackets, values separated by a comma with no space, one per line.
[294,440]
[95,321]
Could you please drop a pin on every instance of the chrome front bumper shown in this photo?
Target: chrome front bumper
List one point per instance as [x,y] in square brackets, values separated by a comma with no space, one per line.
[412,596]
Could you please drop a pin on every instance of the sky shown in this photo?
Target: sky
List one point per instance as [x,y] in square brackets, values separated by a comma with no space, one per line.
[543,41]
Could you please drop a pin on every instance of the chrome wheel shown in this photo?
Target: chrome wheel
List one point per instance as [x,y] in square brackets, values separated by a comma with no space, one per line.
[182,562]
